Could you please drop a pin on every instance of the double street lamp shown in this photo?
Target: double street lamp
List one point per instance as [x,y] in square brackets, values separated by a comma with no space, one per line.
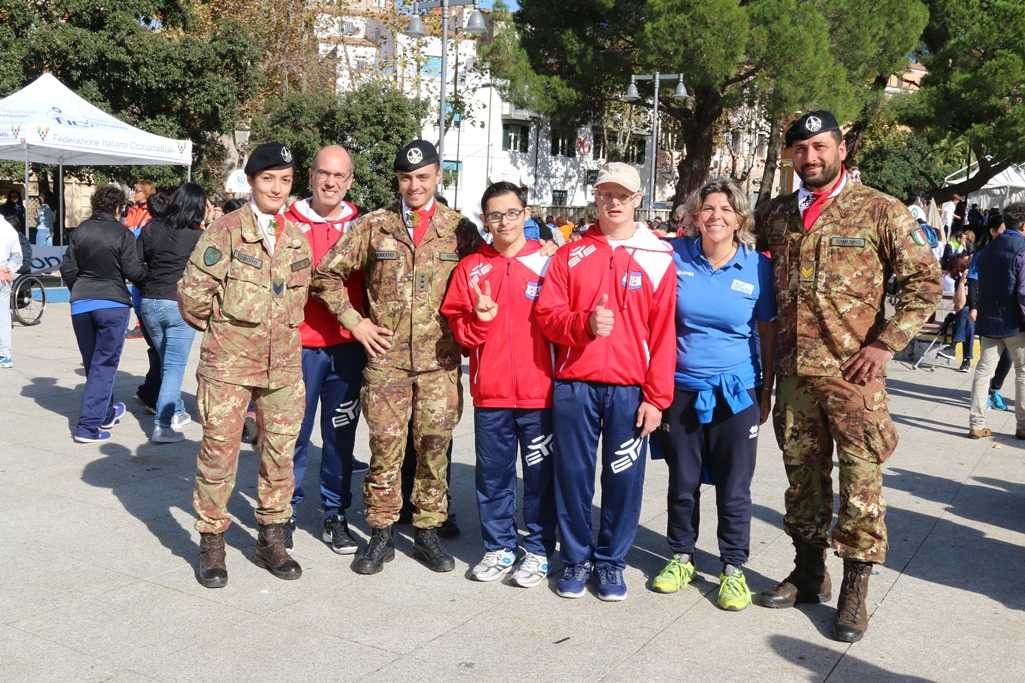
[415,28]
[680,94]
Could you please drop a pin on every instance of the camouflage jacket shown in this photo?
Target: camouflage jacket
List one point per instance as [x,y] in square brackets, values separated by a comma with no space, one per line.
[831,280]
[248,303]
[405,285]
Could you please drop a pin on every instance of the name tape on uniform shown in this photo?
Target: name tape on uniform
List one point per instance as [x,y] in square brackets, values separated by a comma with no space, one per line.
[247,259]
[846,241]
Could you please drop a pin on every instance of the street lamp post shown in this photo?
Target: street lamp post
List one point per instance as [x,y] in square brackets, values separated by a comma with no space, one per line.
[631,95]
[415,28]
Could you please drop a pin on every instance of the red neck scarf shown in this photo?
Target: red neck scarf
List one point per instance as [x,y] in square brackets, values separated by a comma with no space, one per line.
[814,210]
[421,220]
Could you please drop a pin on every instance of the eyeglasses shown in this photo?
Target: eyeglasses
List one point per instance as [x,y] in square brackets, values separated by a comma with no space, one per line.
[496,217]
[621,197]
[337,177]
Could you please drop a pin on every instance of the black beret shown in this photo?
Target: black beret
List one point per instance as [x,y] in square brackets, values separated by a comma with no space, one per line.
[416,154]
[269,156]
[810,125]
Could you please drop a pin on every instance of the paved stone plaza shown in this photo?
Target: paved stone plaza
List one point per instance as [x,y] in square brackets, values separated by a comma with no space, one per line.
[99,554]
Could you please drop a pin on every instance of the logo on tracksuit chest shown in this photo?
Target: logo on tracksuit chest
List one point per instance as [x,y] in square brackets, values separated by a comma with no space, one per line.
[578,254]
[533,290]
[479,271]
[629,451]
[632,280]
[345,414]
[538,449]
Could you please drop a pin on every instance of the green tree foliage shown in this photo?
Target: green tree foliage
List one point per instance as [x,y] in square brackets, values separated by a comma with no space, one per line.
[148,62]
[778,55]
[372,122]
[901,162]
[976,61]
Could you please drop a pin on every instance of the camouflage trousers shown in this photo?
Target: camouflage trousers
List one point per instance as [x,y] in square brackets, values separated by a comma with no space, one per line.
[810,415]
[434,400]
[222,407]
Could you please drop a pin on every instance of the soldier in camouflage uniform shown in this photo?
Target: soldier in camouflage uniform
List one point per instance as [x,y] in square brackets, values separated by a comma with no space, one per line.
[407,252]
[245,287]
[834,245]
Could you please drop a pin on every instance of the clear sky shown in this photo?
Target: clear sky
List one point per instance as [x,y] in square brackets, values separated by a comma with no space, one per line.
[511,4]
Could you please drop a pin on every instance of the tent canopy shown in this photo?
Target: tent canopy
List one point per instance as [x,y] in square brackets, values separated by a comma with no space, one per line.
[46,122]
[1004,188]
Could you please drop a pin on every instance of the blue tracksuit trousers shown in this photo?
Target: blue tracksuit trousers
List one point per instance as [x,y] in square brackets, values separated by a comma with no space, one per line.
[584,411]
[501,433]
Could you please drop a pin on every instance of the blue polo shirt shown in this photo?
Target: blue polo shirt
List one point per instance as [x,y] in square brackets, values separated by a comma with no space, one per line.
[717,312]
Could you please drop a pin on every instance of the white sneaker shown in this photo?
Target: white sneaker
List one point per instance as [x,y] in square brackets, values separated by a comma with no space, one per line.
[179,420]
[5,361]
[166,435]
[494,565]
[532,571]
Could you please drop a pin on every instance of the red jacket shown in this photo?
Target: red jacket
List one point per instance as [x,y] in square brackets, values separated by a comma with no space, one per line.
[320,329]
[510,359]
[640,280]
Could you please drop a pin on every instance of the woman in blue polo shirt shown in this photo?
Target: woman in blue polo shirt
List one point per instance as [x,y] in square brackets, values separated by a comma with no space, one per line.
[725,300]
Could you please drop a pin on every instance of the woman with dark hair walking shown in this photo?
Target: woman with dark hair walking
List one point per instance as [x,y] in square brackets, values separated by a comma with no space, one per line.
[100,256]
[165,246]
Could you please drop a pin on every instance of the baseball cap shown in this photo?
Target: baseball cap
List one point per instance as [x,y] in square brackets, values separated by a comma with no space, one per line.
[621,174]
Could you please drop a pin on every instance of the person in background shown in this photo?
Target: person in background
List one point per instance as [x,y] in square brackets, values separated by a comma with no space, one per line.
[996,400]
[164,247]
[725,305]
[10,264]
[955,283]
[1000,317]
[147,392]
[101,254]
[44,225]
[565,226]
[138,213]
[14,210]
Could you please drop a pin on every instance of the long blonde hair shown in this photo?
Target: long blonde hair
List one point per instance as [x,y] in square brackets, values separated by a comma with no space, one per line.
[738,201]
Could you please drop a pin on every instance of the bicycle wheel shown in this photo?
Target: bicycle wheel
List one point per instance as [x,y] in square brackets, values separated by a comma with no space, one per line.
[28,299]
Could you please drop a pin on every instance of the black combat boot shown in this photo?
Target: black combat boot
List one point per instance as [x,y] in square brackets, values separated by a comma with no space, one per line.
[851,613]
[212,571]
[289,533]
[271,553]
[427,547]
[381,549]
[449,528]
[808,583]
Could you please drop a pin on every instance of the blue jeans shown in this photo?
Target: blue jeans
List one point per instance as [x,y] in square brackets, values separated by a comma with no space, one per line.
[100,336]
[172,339]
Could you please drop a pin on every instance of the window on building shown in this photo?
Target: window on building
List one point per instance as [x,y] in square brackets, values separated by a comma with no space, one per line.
[564,142]
[635,151]
[559,197]
[515,136]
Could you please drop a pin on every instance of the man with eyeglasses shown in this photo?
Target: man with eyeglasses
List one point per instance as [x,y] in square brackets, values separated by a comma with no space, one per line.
[332,361]
[407,251]
[608,304]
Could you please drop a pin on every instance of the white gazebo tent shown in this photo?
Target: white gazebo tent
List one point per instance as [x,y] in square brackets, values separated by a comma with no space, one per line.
[46,122]
[1004,188]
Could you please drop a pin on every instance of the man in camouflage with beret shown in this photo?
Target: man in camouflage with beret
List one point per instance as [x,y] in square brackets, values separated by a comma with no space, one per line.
[407,252]
[245,287]
[834,246]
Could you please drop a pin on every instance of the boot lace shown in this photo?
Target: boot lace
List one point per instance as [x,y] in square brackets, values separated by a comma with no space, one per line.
[854,592]
[610,575]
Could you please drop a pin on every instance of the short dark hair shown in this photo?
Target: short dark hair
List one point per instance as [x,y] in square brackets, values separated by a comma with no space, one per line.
[186,207]
[1014,216]
[107,200]
[500,188]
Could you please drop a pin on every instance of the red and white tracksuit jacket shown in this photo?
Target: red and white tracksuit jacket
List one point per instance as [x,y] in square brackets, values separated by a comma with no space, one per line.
[320,329]
[510,359]
[640,281]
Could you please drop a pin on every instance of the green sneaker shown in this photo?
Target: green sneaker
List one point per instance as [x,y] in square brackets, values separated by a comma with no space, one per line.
[675,575]
[734,595]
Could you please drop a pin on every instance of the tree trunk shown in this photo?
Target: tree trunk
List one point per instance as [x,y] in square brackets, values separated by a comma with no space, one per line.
[775,146]
[986,173]
[699,137]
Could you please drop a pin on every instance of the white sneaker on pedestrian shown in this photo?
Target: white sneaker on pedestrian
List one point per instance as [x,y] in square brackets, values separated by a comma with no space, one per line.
[5,361]
[181,419]
[166,435]
[531,571]
[494,565]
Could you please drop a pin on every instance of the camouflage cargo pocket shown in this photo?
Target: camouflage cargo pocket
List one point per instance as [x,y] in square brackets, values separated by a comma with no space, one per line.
[298,290]
[880,433]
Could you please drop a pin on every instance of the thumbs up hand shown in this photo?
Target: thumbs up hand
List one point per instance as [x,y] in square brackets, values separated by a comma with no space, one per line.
[485,307]
[602,319]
